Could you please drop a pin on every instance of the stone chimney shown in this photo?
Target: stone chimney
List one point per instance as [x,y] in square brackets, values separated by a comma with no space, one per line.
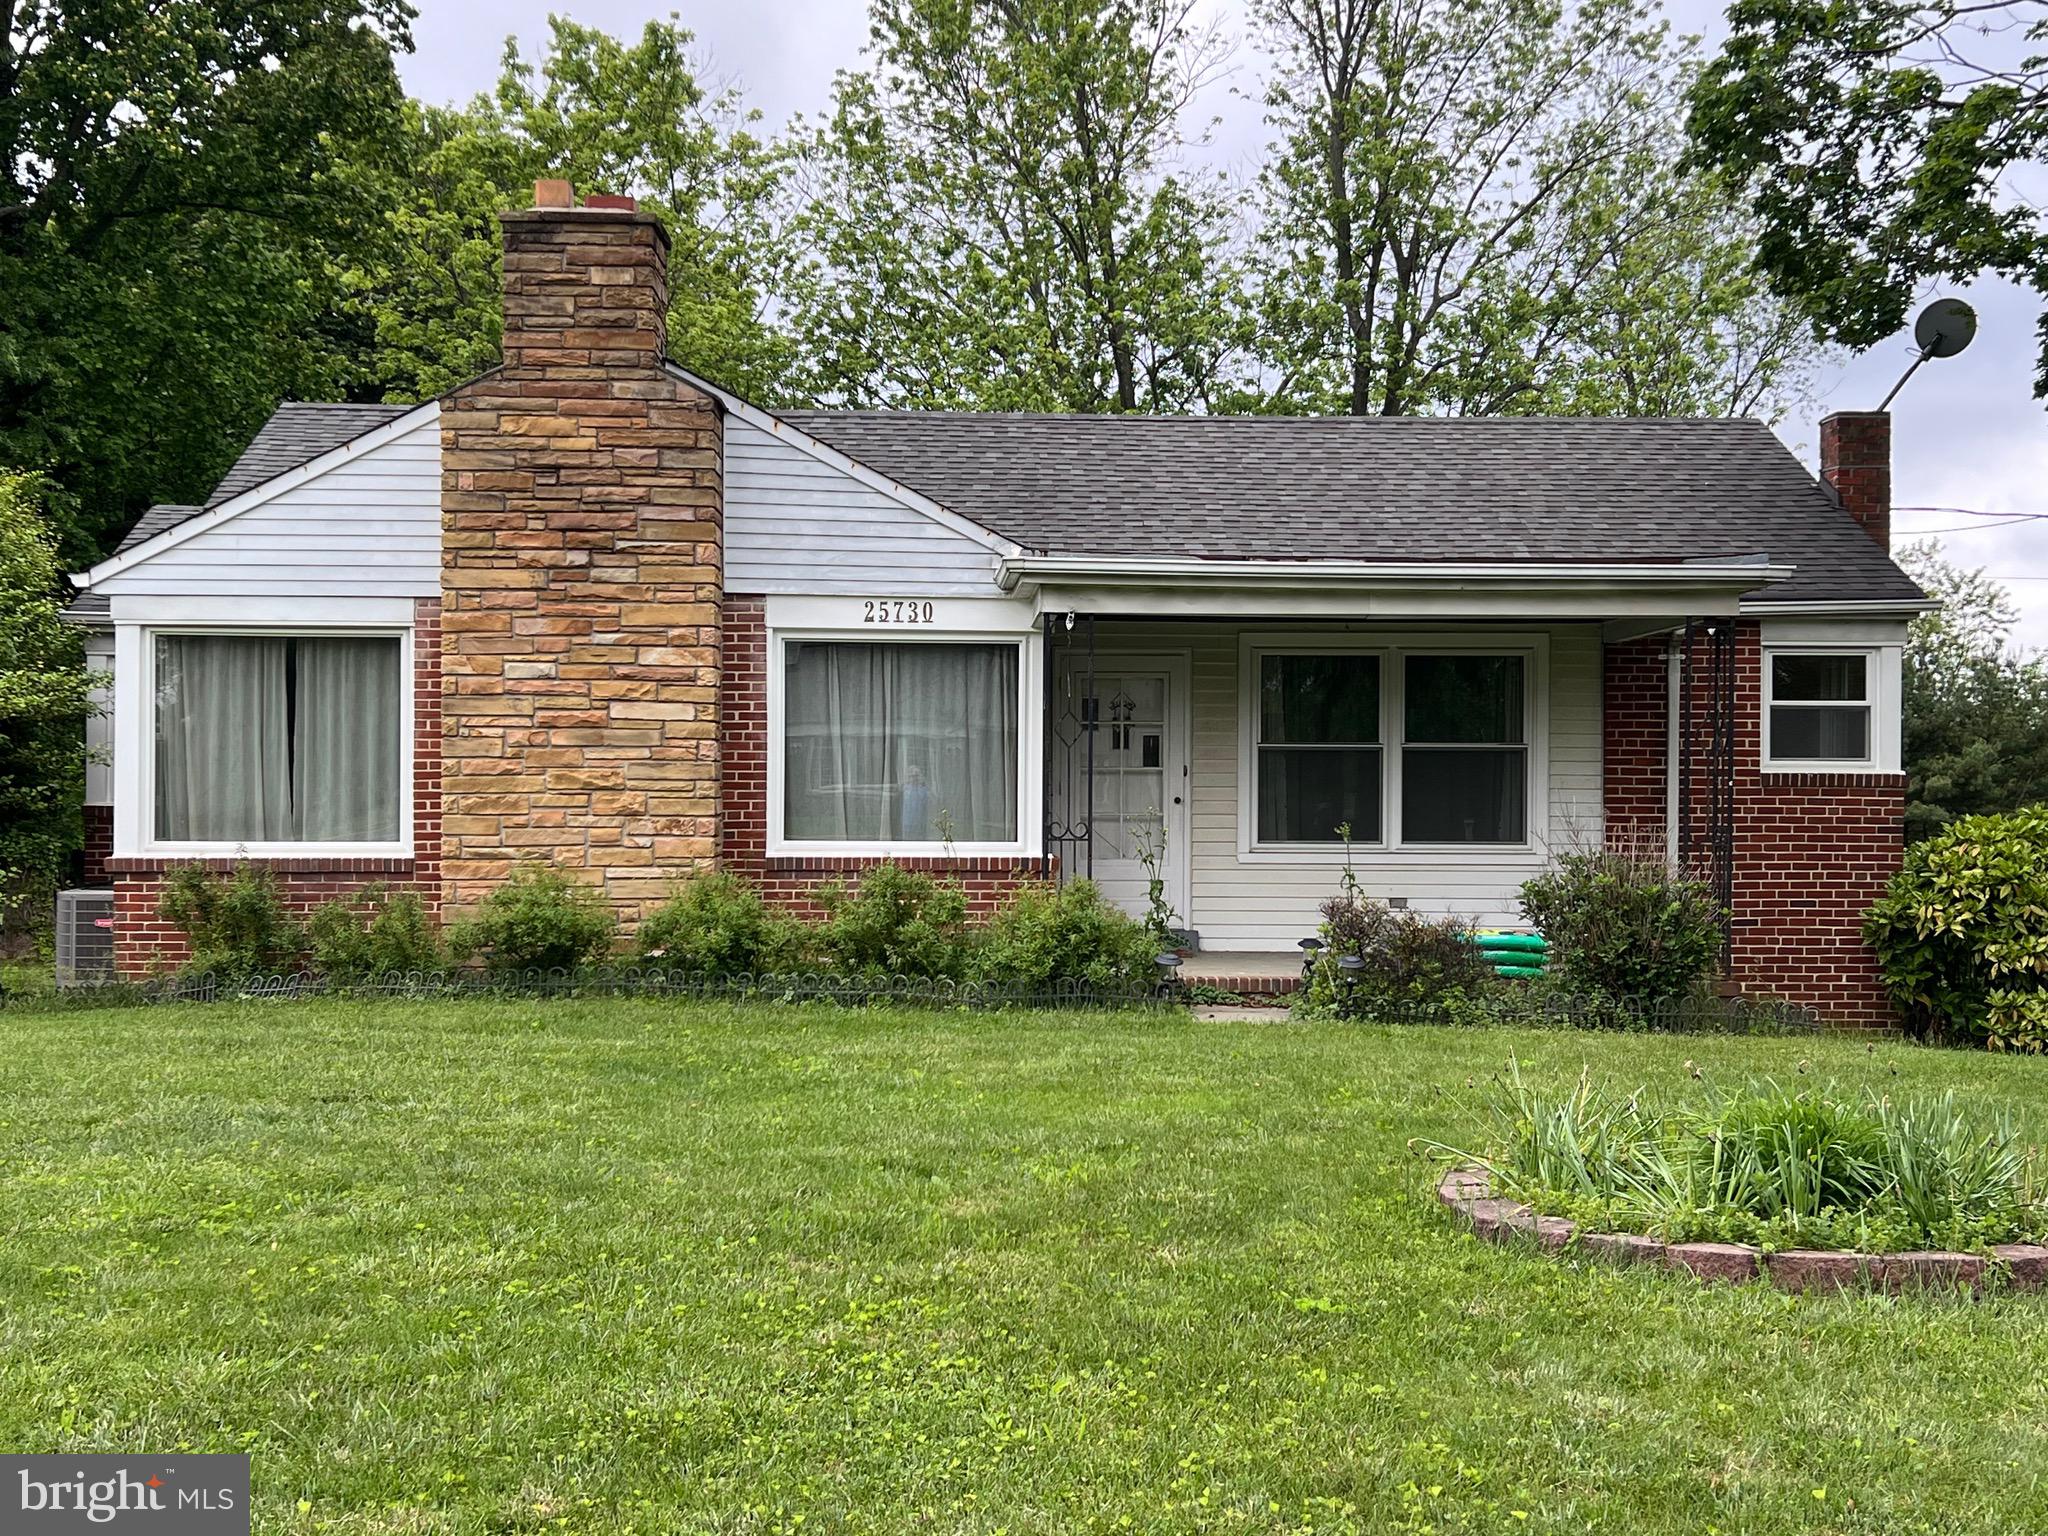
[581,574]
[1856,463]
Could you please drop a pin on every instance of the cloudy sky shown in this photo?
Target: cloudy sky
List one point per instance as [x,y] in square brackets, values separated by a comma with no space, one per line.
[1969,433]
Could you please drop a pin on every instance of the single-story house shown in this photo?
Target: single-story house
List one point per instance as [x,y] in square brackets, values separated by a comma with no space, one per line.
[594,608]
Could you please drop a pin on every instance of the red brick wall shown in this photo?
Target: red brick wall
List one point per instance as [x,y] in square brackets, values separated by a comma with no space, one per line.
[144,942]
[99,843]
[1812,851]
[743,826]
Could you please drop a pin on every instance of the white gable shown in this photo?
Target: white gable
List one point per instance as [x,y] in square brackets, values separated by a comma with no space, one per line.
[797,522]
[361,521]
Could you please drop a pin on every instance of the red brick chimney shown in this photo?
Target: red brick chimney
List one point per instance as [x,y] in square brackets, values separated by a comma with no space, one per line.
[582,556]
[1856,462]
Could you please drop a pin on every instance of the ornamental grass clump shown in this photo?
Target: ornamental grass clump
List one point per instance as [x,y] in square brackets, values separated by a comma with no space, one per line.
[1766,1165]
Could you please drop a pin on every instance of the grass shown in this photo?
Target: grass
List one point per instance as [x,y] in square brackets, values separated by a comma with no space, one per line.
[510,1267]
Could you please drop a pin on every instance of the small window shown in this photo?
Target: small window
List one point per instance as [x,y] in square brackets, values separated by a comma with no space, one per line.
[1819,707]
[899,743]
[1319,761]
[1464,749]
[278,739]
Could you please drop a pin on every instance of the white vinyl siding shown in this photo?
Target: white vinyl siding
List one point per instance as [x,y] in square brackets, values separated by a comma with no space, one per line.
[794,523]
[1256,903]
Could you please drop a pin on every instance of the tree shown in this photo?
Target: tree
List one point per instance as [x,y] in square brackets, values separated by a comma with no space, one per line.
[44,700]
[1875,140]
[1976,706]
[608,117]
[1476,207]
[172,205]
[996,220]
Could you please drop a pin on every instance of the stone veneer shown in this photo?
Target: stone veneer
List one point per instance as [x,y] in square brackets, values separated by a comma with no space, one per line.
[581,578]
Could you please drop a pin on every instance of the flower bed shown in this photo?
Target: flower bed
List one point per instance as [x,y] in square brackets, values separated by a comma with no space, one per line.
[2015,1266]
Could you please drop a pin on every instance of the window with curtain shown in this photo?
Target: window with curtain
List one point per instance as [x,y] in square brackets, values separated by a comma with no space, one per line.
[1318,748]
[1464,749]
[1819,707]
[278,739]
[899,743]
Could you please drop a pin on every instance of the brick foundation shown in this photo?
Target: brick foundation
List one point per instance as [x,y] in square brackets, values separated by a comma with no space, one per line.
[145,943]
[99,844]
[1812,851]
[743,826]
[581,575]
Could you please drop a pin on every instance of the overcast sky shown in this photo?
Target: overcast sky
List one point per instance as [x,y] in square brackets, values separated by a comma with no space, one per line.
[1968,432]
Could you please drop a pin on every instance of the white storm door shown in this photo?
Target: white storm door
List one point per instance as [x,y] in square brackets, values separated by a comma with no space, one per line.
[1139,773]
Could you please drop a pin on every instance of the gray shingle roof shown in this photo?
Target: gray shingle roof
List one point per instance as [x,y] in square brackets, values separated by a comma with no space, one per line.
[94,610]
[1378,488]
[299,431]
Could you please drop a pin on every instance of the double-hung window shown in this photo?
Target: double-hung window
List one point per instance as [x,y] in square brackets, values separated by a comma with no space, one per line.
[1318,758]
[1818,707]
[1406,746]
[1464,749]
[264,739]
[890,743]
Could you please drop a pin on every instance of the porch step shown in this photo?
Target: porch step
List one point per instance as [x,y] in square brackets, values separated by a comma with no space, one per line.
[1245,972]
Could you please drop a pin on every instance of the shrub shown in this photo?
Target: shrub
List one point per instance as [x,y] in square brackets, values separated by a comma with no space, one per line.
[1413,966]
[1766,1166]
[373,933]
[237,925]
[537,920]
[1048,934]
[895,922]
[717,925]
[1964,918]
[1622,924]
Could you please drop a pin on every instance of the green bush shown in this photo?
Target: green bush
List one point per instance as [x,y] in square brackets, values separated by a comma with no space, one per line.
[1624,925]
[373,933]
[1047,934]
[236,925]
[1413,966]
[1805,1169]
[717,925]
[537,921]
[895,922]
[1964,918]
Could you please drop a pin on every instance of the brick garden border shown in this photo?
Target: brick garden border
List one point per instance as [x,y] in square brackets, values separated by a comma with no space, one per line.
[2019,1266]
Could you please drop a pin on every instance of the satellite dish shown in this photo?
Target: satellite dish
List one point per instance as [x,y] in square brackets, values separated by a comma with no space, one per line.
[1945,327]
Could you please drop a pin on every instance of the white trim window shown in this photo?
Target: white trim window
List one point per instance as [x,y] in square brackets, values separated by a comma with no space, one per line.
[1820,708]
[1415,743]
[909,745]
[272,742]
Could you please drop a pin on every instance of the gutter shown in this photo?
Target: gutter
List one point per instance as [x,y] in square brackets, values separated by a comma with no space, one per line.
[1743,575]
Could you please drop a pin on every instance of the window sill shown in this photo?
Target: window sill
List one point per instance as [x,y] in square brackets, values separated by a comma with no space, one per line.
[307,863]
[784,862]
[1377,854]
[1827,776]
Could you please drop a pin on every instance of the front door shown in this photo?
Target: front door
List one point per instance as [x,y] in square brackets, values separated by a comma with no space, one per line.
[1137,818]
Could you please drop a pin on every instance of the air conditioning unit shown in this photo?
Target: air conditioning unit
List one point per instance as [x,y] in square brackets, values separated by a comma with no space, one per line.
[85,937]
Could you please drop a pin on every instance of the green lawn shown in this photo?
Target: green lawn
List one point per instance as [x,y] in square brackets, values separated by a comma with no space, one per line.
[622,1265]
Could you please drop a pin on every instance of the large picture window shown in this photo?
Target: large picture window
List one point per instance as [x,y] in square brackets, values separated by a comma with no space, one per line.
[278,739]
[1464,752]
[1819,707]
[900,743]
[1318,748]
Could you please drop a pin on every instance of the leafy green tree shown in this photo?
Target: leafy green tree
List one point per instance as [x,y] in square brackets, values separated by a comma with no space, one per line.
[610,117]
[996,218]
[172,202]
[1876,141]
[45,697]
[1976,705]
[1475,206]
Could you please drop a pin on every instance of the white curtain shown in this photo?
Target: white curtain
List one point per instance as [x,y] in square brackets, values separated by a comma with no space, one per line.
[911,743]
[263,739]
[223,766]
[345,741]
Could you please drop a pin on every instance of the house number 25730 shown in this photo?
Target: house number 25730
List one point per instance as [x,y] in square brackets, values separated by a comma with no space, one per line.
[894,610]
